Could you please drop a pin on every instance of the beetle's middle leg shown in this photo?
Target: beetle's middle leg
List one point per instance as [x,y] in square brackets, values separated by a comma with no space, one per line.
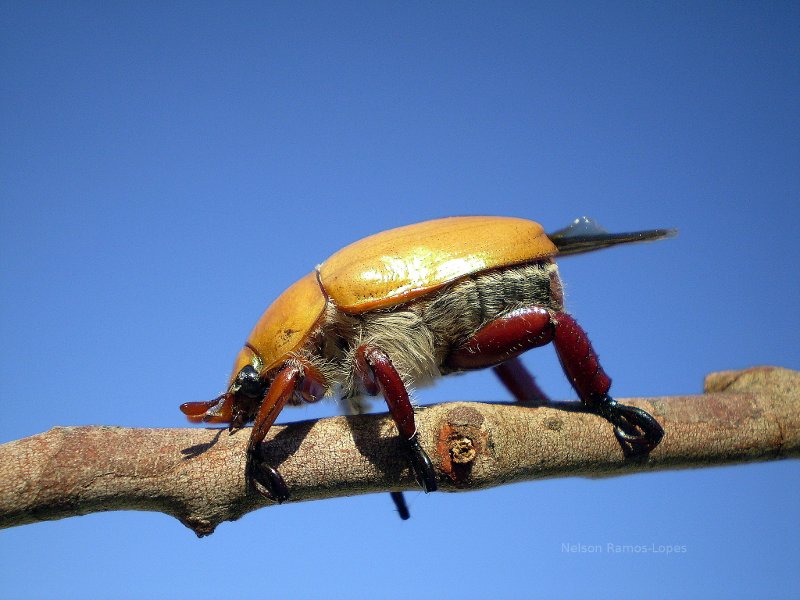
[356,406]
[377,373]
[507,337]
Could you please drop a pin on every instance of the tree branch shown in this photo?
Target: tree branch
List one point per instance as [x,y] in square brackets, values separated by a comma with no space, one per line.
[197,475]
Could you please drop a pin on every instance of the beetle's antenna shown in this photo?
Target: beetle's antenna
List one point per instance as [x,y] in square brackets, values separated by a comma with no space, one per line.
[207,411]
[586,235]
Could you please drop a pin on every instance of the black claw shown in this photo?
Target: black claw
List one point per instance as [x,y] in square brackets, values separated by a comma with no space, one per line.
[237,420]
[632,426]
[271,483]
[423,468]
[400,502]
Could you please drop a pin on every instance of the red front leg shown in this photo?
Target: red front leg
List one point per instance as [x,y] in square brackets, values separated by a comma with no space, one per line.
[280,391]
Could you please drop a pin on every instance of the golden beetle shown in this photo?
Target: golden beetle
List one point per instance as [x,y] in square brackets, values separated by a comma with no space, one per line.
[407,305]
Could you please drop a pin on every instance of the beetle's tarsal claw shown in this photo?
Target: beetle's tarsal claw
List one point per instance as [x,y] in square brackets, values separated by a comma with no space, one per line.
[422,465]
[635,428]
[269,482]
[237,420]
[400,503]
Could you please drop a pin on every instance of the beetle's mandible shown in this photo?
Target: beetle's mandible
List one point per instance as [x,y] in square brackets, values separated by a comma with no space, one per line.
[405,306]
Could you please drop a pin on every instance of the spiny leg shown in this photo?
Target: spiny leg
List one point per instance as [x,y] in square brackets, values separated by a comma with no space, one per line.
[377,372]
[635,428]
[278,394]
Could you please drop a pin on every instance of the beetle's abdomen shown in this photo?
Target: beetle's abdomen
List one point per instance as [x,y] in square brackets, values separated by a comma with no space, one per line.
[460,310]
[403,264]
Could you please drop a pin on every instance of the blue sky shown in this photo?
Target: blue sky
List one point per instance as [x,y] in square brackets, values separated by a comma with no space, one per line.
[151,150]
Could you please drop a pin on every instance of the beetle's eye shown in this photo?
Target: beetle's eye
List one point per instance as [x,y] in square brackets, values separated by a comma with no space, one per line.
[249,382]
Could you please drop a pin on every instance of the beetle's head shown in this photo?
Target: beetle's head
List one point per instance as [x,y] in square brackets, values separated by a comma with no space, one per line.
[246,392]
[237,406]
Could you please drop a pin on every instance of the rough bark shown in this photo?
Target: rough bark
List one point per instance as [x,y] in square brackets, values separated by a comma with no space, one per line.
[197,475]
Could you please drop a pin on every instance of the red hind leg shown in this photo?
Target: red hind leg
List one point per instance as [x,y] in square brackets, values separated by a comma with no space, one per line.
[632,426]
[499,342]
[503,339]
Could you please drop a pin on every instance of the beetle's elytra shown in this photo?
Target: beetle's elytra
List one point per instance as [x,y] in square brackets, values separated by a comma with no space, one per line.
[405,306]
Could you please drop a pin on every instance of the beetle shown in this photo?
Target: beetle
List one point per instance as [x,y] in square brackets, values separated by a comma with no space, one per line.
[405,306]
